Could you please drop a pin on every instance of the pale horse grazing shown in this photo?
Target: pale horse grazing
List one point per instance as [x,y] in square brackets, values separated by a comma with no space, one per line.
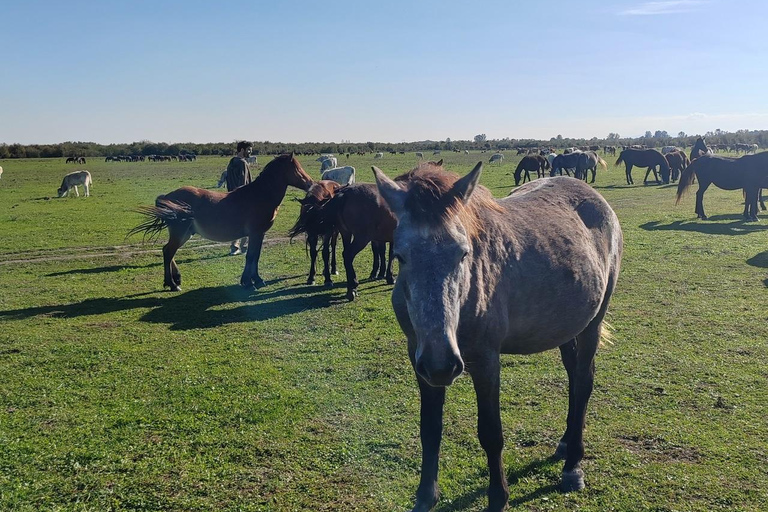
[222,179]
[497,157]
[378,155]
[341,175]
[327,162]
[72,180]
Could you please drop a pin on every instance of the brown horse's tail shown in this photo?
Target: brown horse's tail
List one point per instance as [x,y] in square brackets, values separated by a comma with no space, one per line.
[164,212]
[621,158]
[686,180]
[315,219]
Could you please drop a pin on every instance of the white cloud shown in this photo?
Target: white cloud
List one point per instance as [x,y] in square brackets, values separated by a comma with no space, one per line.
[665,7]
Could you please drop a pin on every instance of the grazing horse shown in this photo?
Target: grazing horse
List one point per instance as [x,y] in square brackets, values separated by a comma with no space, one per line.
[530,163]
[341,175]
[699,148]
[649,158]
[564,162]
[72,180]
[497,157]
[750,172]
[474,272]
[249,211]
[588,161]
[419,155]
[677,161]
[71,160]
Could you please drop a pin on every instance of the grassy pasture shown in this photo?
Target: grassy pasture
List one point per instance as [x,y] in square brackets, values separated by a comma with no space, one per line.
[116,395]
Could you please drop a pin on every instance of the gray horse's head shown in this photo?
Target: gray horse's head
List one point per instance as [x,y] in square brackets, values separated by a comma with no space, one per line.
[433,245]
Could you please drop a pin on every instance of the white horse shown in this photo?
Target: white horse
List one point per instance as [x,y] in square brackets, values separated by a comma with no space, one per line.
[341,175]
[327,162]
[72,180]
[497,157]
[378,155]
[551,158]
[1,172]
[222,179]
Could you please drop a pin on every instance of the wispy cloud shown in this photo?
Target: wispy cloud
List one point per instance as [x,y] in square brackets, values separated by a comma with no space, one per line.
[664,7]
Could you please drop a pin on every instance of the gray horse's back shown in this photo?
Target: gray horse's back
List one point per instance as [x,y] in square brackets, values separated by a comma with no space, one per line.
[565,243]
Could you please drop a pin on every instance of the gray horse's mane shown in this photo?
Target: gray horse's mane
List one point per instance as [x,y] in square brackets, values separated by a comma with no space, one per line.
[429,198]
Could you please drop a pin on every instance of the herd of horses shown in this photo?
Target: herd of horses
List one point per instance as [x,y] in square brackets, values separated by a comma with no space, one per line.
[468,263]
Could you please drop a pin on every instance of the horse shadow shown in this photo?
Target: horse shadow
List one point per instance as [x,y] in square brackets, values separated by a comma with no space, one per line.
[760,260]
[195,309]
[513,476]
[737,227]
[118,268]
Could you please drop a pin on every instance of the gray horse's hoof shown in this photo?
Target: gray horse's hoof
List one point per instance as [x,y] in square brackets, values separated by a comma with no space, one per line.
[572,480]
[562,451]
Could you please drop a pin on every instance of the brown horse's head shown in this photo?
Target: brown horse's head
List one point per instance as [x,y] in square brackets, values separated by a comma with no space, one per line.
[290,170]
[437,226]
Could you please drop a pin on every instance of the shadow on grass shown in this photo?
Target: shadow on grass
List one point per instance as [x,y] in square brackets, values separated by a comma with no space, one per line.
[759,260]
[513,476]
[118,268]
[195,309]
[737,226]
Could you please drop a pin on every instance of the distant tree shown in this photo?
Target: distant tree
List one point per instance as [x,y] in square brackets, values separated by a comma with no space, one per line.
[660,134]
[479,139]
[681,135]
[371,146]
[613,136]
[648,134]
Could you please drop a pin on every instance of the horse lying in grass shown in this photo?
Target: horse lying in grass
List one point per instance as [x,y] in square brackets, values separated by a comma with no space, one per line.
[249,211]
[474,272]
[749,172]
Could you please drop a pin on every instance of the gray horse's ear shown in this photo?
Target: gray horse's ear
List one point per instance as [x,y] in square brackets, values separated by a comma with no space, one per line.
[463,187]
[390,191]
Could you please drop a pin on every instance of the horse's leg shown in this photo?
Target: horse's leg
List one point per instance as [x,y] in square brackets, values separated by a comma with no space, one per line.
[580,387]
[629,173]
[382,260]
[251,275]
[760,198]
[750,204]
[647,172]
[376,251]
[77,194]
[431,433]
[485,378]
[568,355]
[390,275]
[594,174]
[312,243]
[351,248]
[703,185]
[177,236]
[334,239]
[527,176]
[326,255]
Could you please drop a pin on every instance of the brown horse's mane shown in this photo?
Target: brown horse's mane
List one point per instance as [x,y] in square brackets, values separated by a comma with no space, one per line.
[267,172]
[429,199]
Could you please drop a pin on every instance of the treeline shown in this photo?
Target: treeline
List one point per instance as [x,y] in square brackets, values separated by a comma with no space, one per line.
[92,149]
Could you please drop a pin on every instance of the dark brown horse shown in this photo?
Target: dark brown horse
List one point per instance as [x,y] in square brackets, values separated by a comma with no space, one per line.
[316,225]
[677,161]
[473,273]
[750,173]
[531,163]
[699,148]
[649,158]
[246,211]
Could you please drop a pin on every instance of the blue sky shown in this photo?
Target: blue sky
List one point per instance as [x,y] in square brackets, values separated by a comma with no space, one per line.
[297,71]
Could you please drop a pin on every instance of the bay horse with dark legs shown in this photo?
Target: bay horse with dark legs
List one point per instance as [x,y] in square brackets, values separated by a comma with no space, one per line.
[473,274]
[749,172]
[249,211]
[529,163]
[649,158]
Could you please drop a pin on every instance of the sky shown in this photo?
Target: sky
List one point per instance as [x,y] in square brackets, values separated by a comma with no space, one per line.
[310,71]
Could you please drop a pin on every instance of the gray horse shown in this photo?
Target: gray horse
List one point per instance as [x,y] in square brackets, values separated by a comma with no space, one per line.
[474,272]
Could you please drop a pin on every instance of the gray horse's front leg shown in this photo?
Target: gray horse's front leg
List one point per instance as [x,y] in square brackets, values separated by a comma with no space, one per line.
[431,433]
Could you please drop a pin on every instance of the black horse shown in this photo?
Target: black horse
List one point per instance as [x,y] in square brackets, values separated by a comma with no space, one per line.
[530,163]
[699,148]
[649,158]
[750,172]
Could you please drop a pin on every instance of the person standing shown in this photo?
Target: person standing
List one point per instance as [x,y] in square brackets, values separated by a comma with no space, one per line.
[239,174]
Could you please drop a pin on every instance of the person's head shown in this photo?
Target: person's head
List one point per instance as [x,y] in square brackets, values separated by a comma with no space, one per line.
[244,148]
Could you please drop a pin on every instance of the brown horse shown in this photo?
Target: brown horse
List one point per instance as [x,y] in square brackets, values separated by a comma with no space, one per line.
[531,163]
[246,211]
[473,273]
[750,172]
[649,158]
[677,161]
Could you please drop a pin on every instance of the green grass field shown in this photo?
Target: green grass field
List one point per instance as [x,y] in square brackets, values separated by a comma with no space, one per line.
[116,395]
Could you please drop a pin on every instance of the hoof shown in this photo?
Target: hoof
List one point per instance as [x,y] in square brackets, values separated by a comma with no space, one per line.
[175,288]
[351,294]
[259,283]
[311,281]
[390,280]
[572,480]
[703,217]
[562,451]
[328,284]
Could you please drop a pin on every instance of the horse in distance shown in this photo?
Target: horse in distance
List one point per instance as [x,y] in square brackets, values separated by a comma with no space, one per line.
[473,273]
[74,179]
[749,172]
[249,211]
[588,161]
[649,158]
